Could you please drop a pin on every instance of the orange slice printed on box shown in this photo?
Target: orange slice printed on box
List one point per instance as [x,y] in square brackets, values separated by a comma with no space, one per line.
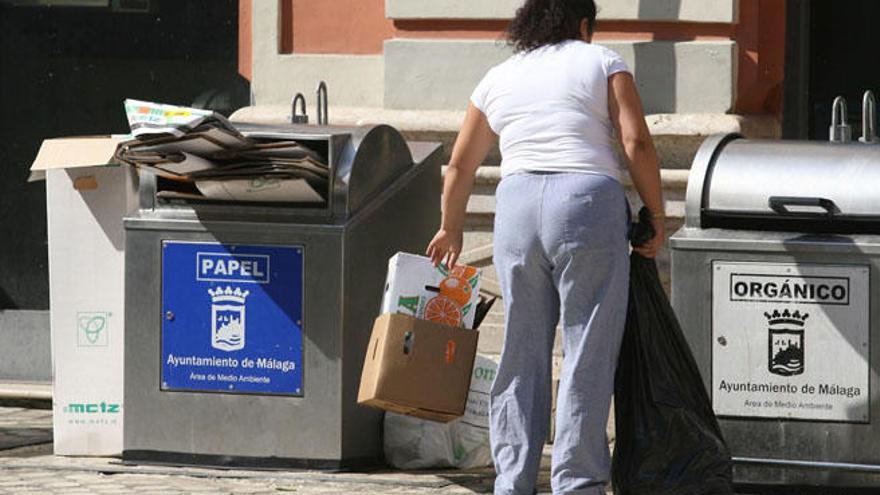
[463,271]
[457,289]
[443,310]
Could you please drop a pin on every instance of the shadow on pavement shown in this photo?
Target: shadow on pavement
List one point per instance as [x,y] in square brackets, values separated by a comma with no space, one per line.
[22,425]
[26,403]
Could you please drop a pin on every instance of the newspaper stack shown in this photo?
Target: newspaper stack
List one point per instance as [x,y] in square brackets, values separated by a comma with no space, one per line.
[200,148]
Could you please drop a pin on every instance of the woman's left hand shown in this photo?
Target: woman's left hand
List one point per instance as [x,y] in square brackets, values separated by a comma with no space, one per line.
[649,249]
[446,244]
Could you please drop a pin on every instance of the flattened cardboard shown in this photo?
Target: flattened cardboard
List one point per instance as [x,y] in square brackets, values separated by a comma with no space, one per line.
[418,368]
[267,188]
[73,152]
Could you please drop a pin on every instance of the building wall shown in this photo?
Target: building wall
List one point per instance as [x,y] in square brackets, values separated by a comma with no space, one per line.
[688,56]
[354,79]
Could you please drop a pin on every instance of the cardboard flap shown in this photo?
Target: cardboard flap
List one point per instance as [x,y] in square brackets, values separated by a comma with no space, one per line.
[75,152]
[36,176]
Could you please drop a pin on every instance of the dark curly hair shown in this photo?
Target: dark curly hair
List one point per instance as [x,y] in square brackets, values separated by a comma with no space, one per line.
[546,22]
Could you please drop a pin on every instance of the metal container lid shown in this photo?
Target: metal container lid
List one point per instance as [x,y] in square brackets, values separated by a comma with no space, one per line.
[785,185]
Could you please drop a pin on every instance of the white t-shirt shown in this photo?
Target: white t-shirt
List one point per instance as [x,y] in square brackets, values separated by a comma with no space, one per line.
[550,109]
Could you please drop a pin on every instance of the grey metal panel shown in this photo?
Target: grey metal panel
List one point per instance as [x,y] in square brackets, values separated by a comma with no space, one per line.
[807,442]
[748,172]
[690,295]
[146,190]
[25,354]
[166,222]
[224,424]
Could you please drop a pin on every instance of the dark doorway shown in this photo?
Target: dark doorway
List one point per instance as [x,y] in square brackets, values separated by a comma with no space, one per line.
[66,71]
[829,53]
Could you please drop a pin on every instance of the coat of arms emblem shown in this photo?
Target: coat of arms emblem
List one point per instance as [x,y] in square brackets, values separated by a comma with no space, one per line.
[228,318]
[786,342]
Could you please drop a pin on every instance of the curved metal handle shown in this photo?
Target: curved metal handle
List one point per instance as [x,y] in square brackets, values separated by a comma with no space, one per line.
[869,106]
[780,205]
[295,118]
[840,131]
[323,119]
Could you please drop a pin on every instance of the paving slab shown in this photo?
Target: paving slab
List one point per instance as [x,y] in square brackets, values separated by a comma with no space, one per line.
[21,427]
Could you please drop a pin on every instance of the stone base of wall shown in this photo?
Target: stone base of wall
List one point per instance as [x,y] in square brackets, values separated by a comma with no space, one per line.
[25,354]
[676,136]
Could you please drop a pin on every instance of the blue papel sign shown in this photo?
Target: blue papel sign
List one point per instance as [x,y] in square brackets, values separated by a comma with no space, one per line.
[235,325]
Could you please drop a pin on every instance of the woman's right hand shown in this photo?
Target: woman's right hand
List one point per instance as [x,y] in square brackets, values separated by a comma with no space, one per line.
[446,244]
[471,147]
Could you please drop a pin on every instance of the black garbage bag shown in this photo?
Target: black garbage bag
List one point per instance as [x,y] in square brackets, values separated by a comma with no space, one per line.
[668,440]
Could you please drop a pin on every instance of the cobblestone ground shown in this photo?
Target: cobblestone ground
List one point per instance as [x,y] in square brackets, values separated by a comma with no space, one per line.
[27,466]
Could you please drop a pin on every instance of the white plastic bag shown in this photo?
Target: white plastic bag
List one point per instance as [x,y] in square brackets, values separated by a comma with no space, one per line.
[413,443]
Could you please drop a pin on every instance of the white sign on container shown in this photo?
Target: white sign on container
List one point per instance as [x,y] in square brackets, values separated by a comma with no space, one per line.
[790,341]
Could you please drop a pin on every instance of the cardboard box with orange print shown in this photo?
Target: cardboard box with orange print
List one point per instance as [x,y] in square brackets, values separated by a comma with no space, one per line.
[423,338]
[417,288]
[418,368]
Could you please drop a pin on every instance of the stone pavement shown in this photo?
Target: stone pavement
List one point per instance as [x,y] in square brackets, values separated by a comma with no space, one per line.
[21,427]
[27,466]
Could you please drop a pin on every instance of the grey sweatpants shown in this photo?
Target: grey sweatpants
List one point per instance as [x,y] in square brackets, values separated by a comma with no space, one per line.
[560,248]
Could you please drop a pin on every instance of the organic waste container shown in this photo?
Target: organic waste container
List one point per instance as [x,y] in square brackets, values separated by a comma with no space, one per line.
[774,279]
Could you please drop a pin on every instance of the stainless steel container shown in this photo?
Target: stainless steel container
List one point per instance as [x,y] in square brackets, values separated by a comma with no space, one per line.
[247,324]
[775,277]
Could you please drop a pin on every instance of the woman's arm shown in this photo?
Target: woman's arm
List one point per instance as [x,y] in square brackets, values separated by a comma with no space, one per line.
[471,147]
[625,108]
